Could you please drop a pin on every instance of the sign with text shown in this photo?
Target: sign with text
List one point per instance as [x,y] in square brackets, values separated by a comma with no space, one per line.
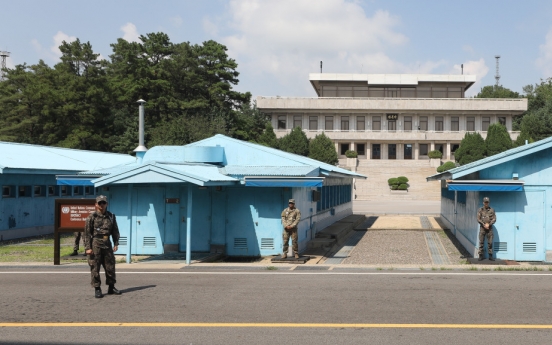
[74,216]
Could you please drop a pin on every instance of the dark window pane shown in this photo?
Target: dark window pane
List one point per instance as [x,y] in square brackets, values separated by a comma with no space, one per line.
[454,124]
[408,123]
[297,119]
[281,122]
[377,92]
[470,123]
[408,92]
[392,151]
[345,91]
[361,149]
[423,92]
[360,91]
[391,125]
[329,91]
[376,123]
[407,151]
[376,151]
[361,125]
[344,148]
[454,92]
[423,150]
[502,121]
[423,123]
[329,123]
[438,123]
[439,92]
[344,123]
[485,122]
[313,123]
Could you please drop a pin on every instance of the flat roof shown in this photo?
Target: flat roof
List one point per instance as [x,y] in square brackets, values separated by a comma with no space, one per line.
[466,80]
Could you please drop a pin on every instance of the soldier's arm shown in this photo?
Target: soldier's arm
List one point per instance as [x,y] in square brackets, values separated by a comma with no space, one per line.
[479,217]
[283,215]
[493,218]
[87,233]
[115,232]
[297,219]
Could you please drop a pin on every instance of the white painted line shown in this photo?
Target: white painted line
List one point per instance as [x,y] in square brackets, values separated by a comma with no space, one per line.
[528,274]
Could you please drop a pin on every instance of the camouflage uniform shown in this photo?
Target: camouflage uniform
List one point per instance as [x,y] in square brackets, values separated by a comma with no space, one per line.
[97,230]
[291,217]
[486,215]
[78,235]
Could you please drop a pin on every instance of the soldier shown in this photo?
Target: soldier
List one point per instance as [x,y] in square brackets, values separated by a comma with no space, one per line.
[290,218]
[486,217]
[99,226]
[75,252]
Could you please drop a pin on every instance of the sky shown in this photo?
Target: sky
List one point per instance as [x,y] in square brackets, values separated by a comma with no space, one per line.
[277,43]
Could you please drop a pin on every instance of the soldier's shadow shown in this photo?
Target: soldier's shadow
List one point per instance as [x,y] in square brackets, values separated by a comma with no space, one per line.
[137,288]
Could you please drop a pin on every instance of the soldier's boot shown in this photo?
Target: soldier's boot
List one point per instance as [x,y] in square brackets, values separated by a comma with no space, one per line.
[296,256]
[480,257]
[74,253]
[491,257]
[98,293]
[113,291]
[284,256]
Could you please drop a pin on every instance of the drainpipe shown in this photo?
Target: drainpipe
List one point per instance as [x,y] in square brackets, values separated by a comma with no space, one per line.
[141,149]
[129,238]
[455,211]
[189,226]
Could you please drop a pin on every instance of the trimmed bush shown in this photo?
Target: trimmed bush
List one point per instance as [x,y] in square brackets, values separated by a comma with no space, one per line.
[435,154]
[351,154]
[398,183]
[403,186]
[402,179]
[393,181]
[394,187]
[447,166]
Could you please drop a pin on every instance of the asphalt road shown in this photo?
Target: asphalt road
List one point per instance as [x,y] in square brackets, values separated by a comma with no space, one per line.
[275,307]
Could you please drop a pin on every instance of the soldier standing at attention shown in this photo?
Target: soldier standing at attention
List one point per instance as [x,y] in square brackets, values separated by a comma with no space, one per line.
[99,226]
[290,218]
[75,252]
[486,217]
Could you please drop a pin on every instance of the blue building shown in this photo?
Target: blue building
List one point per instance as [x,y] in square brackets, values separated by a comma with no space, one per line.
[221,194]
[29,186]
[519,185]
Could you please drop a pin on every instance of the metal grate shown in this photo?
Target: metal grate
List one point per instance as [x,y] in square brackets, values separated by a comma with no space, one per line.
[240,243]
[149,242]
[500,246]
[123,241]
[267,243]
[529,247]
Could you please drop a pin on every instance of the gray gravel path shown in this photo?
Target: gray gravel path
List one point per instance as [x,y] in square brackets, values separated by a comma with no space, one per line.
[387,247]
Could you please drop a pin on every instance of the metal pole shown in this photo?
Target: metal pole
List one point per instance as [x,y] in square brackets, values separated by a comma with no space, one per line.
[129,239]
[141,124]
[189,226]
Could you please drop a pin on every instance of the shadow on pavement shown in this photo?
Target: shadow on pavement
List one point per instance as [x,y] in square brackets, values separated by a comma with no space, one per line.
[137,288]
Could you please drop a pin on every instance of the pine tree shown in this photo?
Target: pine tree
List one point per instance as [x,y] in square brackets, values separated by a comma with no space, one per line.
[498,140]
[322,149]
[295,142]
[472,148]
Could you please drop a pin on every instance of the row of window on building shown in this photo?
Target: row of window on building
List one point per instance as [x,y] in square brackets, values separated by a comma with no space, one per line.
[376,150]
[392,92]
[45,191]
[330,196]
[361,125]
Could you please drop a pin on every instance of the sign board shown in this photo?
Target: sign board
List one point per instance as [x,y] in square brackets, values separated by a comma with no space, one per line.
[70,216]
[392,117]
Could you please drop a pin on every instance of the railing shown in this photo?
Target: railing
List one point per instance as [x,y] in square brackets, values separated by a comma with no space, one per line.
[402,98]
[384,131]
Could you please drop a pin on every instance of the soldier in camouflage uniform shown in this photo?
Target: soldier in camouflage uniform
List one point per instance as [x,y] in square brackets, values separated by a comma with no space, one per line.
[290,218]
[486,217]
[78,235]
[99,226]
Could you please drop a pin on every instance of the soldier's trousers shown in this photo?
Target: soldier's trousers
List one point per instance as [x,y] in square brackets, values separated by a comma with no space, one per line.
[78,235]
[102,257]
[293,234]
[482,234]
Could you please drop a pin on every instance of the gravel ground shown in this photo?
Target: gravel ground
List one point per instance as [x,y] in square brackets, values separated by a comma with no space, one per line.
[455,251]
[387,247]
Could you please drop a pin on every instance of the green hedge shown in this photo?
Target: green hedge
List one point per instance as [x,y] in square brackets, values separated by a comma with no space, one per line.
[402,179]
[398,183]
[351,154]
[435,154]
[447,166]
[393,181]
[403,186]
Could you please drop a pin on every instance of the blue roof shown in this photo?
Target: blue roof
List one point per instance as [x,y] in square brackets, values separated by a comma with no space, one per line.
[493,160]
[243,170]
[36,157]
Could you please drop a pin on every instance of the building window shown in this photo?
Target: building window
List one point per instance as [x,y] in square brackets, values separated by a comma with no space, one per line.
[37,191]
[392,92]
[360,91]
[77,190]
[502,120]
[408,92]
[377,92]
[329,91]
[470,123]
[361,149]
[313,123]
[361,125]
[343,148]
[438,123]
[344,123]
[454,92]
[391,151]
[64,190]
[329,123]
[454,147]
[7,192]
[52,191]
[485,122]
[88,190]
[391,125]
[407,151]
[24,191]
[376,123]
[455,123]
[281,121]
[439,92]
[297,119]
[408,123]
[423,123]
[345,91]
[423,92]
[423,149]
[440,148]
[376,151]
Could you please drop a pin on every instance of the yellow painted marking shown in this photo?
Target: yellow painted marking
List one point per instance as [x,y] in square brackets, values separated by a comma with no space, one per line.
[273,325]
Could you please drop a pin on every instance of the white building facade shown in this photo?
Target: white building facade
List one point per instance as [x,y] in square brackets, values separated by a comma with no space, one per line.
[391,116]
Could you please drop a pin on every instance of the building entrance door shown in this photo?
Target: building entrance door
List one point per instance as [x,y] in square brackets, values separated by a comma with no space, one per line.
[392,151]
[529,226]
[407,151]
[376,151]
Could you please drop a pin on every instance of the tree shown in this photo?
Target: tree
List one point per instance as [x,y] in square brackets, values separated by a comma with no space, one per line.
[295,142]
[322,149]
[498,139]
[249,123]
[268,138]
[521,139]
[472,148]
[492,91]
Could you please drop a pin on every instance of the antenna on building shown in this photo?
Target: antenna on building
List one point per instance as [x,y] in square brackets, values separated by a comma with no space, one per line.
[462,68]
[320,66]
[497,76]
[3,55]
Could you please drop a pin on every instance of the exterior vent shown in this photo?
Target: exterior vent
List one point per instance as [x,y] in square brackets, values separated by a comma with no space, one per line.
[240,243]
[149,242]
[123,241]
[500,246]
[529,247]
[267,243]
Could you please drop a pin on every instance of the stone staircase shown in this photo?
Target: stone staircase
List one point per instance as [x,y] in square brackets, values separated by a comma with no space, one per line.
[379,171]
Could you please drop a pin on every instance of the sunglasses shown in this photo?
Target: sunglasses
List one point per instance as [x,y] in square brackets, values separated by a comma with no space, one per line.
[102,203]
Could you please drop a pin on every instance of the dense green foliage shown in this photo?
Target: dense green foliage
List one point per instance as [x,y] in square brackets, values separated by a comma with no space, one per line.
[498,139]
[435,154]
[295,142]
[472,148]
[322,149]
[398,183]
[87,103]
[351,154]
[492,91]
[402,179]
[393,181]
[446,166]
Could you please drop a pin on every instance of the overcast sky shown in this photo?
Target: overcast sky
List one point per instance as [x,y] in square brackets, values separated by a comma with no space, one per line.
[278,43]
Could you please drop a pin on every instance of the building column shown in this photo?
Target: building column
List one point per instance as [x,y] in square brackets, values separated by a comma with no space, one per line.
[383,149]
[400,151]
[368,150]
[447,151]
[432,146]
[416,150]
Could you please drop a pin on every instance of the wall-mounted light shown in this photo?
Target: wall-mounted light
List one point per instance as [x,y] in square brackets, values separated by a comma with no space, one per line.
[515,176]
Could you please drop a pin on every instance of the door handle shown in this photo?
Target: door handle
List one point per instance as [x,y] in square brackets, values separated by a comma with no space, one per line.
[517,227]
[138,222]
